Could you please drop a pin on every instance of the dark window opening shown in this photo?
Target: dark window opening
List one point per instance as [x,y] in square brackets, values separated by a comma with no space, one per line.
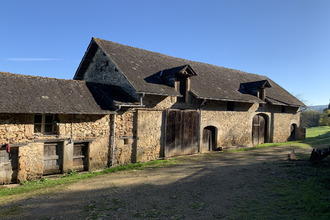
[261,94]
[181,88]
[230,106]
[44,123]
[283,109]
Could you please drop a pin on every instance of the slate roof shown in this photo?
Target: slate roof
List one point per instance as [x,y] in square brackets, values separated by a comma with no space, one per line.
[142,69]
[31,94]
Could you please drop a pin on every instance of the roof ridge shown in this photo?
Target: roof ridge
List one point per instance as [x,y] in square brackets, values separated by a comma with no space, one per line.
[38,77]
[163,54]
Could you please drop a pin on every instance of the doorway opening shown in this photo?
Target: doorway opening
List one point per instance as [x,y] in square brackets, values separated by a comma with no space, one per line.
[209,138]
[293,130]
[259,129]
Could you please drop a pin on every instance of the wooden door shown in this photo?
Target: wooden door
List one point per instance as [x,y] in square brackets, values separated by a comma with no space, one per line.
[209,139]
[173,133]
[53,158]
[293,129]
[8,166]
[181,132]
[190,131]
[80,156]
[259,131]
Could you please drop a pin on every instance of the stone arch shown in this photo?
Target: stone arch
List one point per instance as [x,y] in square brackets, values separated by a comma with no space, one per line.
[260,130]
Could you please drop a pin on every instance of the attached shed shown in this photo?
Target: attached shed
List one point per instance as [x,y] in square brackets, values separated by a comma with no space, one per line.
[51,126]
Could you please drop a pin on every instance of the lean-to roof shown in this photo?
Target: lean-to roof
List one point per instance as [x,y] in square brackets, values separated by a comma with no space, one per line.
[32,94]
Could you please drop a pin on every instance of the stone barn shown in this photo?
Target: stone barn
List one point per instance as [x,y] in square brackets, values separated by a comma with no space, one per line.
[129,105]
[187,107]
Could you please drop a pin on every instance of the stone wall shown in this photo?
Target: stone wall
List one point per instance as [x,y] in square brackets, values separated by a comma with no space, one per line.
[124,150]
[16,128]
[282,125]
[149,132]
[234,128]
[30,161]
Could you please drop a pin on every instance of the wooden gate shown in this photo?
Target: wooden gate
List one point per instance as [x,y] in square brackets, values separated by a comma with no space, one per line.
[181,132]
[80,156]
[53,158]
[259,130]
[8,166]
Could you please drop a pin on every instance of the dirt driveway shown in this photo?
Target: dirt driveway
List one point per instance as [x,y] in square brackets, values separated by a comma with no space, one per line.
[210,186]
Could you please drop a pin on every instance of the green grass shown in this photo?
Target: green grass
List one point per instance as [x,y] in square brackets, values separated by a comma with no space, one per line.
[318,131]
[314,137]
[46,183]
[301,191]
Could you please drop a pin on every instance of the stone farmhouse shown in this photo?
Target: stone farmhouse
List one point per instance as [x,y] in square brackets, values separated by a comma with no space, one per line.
[128,105]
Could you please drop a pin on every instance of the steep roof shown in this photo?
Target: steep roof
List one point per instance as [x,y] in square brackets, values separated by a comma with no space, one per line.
[31,94]
[142,68]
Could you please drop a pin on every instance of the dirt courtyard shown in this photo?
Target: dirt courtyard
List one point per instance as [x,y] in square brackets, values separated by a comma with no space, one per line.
[207,186]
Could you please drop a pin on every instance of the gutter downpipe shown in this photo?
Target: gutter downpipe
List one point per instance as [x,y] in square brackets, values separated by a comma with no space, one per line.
[200,125]
[114,135]
[114,125]
[141,98]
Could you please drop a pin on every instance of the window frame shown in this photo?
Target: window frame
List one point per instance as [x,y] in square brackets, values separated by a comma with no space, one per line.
[45,123]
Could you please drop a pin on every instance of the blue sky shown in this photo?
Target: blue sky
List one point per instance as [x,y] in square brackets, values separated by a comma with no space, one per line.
[286,40]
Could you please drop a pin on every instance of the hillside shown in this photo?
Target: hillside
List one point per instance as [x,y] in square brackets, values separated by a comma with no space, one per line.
[318,108]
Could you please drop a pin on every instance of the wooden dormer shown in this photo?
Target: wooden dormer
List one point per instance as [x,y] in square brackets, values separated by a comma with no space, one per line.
[178,77]
[257,88]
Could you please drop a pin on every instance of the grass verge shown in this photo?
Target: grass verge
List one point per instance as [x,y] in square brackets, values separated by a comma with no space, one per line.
[73,177]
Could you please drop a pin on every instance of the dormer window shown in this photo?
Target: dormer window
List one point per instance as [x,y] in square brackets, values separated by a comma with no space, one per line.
[178,78]
[181,87]
[262,94]
[256,88]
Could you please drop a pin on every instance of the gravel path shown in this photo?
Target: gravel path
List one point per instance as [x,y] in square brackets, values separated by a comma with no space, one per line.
[207,186]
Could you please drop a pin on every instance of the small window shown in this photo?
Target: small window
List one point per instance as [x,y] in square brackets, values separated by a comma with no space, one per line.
[230,106]
[44,123]
[37,123]
[283,109]
[261,94]
[181,87]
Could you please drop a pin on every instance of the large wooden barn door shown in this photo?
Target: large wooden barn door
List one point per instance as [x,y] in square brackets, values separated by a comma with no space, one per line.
[259,131]
[80,156]
[53,158]
[181,132]
[8,166]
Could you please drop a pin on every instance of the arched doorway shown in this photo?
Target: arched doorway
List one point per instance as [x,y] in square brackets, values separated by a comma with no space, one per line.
[259,129]
[209,140]
[293,129]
